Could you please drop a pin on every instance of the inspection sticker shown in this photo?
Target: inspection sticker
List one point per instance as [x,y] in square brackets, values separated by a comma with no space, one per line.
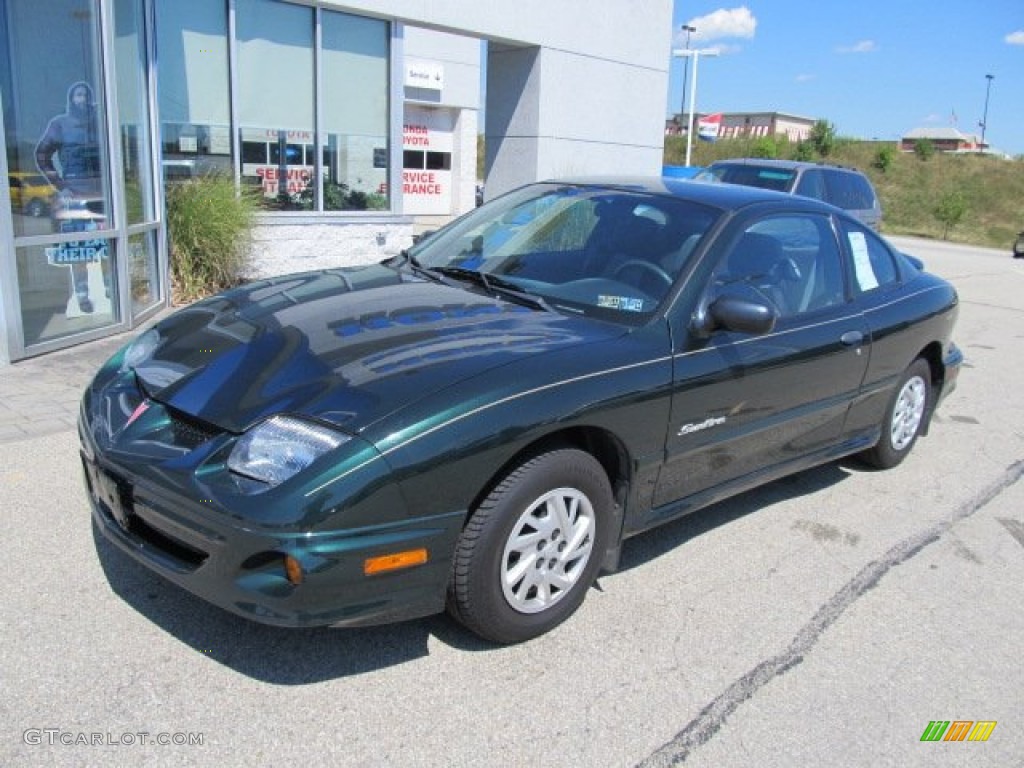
[621,302]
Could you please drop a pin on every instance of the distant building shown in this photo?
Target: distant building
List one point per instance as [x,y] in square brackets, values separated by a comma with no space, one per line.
[943,138]
[754,125]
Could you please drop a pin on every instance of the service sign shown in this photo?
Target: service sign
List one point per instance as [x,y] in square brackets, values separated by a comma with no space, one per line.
[424,74]
[425,186]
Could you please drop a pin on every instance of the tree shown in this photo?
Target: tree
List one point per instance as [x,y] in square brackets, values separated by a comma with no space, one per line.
[803,151]
[823,137]
[924,149]
[766,147]
[884,158]
[950,209]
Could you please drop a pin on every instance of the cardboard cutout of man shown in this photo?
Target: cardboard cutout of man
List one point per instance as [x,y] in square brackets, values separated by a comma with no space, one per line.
[68,155]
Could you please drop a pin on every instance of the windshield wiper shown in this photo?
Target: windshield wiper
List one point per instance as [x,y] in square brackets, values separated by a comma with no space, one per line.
[418,268]
[496,285]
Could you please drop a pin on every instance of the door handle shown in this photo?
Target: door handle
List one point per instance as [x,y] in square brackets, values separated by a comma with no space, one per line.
[852,338]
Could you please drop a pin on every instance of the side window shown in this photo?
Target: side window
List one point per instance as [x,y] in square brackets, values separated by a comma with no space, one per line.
[793,261]
[812,184]
[873,264]
[849,191]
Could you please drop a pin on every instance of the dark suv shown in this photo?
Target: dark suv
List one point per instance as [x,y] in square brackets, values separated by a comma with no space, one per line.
[844,187]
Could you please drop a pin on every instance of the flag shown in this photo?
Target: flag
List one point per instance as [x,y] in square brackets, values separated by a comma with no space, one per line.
[708,126]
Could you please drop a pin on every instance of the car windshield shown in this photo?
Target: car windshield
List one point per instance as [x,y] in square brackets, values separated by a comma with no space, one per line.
[605,253]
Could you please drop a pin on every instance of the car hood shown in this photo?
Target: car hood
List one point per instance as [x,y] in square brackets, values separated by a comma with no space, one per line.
[346,346]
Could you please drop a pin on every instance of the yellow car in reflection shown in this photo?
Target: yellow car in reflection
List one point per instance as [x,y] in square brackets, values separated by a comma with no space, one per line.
[31,193]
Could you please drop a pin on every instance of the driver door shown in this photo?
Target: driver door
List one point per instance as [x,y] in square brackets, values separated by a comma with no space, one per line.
[746,405]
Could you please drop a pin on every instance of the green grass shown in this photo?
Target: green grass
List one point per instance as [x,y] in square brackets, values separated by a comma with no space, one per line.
[911,189]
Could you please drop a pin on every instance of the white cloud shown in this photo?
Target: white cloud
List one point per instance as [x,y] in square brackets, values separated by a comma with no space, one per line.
[804,78]
[862,46]
[721,24]
[1015,38]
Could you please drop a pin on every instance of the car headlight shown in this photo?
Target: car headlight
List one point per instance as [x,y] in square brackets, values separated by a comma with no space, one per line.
[280,447]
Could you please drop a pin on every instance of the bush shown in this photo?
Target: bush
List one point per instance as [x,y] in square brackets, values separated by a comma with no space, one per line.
[340,197]
[823,137]
[924,149]
[803,151]
[884,159]
[950,209]
[209,231]
[766,147]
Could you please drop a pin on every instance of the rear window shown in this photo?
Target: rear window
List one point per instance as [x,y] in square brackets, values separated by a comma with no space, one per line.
[779,179]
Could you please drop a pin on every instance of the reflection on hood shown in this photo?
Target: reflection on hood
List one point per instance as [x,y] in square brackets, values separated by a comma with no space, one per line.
[344,347]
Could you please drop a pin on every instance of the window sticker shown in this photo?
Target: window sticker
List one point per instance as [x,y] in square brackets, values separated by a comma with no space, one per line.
[866,278]
[624,303]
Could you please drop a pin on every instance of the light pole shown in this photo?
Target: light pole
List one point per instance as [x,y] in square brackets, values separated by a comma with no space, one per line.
[984,120]
[689,30]
[696,54]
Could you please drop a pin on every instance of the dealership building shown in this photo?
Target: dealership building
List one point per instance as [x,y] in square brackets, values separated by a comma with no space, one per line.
[354,123]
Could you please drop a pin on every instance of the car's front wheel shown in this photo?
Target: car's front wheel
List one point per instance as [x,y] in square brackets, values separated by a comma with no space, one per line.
[532,548]
[904,418]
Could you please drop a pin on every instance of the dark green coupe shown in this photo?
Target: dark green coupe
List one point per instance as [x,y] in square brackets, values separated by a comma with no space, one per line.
[480,422]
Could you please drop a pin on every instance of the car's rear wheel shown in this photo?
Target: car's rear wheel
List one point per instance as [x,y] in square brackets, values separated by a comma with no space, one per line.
[36,208]
[532,548]
[904,418]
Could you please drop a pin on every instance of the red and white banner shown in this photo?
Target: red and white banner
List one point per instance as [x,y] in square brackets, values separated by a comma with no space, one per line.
[708,126]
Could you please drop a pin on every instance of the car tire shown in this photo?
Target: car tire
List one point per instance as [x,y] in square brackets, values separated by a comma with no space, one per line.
[532,548]
[904,418]
[36,208]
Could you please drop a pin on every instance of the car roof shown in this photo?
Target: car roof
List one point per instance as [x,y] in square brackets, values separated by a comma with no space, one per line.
[792,165]
[718,195]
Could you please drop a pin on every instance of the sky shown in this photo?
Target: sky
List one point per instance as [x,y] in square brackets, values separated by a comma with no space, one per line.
[875,69]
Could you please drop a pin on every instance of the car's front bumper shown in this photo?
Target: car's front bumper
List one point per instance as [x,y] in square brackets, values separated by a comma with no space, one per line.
[240,567]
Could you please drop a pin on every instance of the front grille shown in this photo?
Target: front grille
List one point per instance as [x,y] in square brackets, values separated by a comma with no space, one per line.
[174,548]
[190,432]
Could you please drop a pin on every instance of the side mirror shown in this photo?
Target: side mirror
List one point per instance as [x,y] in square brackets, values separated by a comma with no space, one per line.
[742,314]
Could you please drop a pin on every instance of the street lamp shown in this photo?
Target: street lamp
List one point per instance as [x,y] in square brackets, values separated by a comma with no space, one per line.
[984,120]
[696,54]
[686,69]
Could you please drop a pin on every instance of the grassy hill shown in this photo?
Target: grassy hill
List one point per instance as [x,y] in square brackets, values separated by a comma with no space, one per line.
[910,188]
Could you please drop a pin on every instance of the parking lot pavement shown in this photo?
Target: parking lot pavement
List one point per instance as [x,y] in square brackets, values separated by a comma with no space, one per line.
[40,396]
[826,619]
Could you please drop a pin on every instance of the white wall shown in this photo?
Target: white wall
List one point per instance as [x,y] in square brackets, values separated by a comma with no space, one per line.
[573,86]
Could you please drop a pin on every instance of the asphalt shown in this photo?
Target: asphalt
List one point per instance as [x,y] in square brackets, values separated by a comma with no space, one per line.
[39,396]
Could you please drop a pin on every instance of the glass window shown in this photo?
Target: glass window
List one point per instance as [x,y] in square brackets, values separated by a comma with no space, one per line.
[57,158]
[793,261]
[812,184]
[275,98]
[439,161]
[849,190]
[133,110]
[143,271]
[66,288]
[874,265]
[195,118]
[354,96]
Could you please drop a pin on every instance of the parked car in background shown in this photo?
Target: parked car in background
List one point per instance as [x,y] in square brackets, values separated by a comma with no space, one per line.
[843,187]
[480,422]
[31,193]
[1018,246]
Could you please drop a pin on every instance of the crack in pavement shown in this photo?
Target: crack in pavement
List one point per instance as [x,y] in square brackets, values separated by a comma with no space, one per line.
[709,721]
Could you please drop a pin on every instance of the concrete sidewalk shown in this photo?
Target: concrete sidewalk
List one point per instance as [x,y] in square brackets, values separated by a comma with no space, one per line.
[40,396]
